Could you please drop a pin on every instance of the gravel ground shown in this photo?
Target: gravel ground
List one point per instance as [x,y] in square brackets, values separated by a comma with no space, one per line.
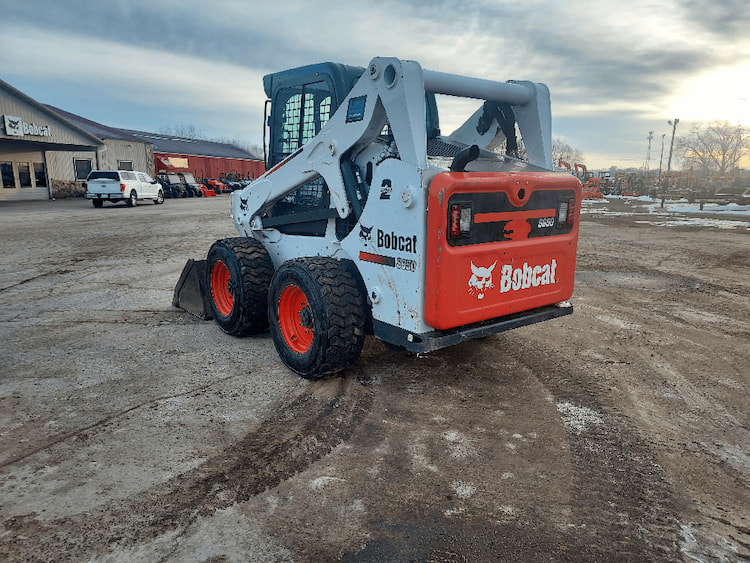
[130,430]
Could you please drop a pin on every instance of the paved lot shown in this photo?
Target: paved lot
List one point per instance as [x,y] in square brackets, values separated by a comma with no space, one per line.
[130,430]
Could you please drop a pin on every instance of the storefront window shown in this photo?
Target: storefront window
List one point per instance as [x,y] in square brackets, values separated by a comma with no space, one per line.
[24,174]
[6,171]
[40,176]
[83,167]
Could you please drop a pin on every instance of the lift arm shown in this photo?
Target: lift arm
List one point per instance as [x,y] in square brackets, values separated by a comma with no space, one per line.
[389,91]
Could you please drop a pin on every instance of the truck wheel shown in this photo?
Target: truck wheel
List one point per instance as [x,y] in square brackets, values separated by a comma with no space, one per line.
[238,273]
[317,316]
[133,199]
[97,202]
[159,198]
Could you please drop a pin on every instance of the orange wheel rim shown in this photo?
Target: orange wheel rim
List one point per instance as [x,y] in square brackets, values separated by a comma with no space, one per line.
[220,290]
[295,319]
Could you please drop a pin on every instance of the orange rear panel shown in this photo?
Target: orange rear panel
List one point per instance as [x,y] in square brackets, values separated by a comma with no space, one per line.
[518,255]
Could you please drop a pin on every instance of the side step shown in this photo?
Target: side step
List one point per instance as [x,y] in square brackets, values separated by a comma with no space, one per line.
[190,292]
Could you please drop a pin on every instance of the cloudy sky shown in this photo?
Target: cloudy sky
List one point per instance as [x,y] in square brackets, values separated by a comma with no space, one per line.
[616,70]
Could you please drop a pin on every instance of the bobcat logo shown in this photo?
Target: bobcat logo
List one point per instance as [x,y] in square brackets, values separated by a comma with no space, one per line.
[13,126]
[243,204]
[365,234]
[481,280]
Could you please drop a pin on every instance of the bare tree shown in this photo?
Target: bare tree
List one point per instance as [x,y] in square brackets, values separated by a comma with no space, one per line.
[191,132]
[563,151]
[715,147]
[182,131]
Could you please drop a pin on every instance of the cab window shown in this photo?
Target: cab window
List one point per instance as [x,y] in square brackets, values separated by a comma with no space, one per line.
[302,112]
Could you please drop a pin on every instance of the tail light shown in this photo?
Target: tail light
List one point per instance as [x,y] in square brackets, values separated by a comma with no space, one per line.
[571,211]
[85,186]
[460,220]
[566,212]
[122,187]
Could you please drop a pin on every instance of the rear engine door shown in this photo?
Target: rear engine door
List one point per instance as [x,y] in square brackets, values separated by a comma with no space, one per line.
[498,244]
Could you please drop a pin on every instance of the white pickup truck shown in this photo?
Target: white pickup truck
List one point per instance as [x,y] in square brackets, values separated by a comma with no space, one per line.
[122,185]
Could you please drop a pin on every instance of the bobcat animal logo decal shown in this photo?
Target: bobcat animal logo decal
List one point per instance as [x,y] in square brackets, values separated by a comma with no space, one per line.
[13,126]
[365,233]
[481,280]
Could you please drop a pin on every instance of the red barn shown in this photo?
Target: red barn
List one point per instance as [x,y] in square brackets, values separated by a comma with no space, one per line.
[204,159]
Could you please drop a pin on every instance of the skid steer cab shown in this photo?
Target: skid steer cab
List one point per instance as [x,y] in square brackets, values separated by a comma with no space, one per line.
[370,221]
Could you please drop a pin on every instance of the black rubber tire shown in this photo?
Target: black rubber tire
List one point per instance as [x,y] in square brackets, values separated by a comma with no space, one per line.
[97,202]
[159,198]
[250,271]
[336,311]
[133,199]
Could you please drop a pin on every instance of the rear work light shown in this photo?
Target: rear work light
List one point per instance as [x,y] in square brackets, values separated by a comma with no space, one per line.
[460,220]
[122,187]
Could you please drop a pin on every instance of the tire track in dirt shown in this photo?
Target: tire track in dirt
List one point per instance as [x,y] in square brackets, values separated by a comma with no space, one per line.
[622,500]
[299,434]
[57,439]
[621,506]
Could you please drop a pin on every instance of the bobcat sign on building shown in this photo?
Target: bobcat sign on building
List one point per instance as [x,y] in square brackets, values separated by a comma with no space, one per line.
[39,150]
[47,152]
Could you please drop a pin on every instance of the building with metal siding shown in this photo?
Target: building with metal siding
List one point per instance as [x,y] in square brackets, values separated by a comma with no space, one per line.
[31,136]
[167,153]
[209,167]
[120,150]
[47,152]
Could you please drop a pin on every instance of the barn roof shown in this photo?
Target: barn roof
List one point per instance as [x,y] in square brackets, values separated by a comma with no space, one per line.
[193,147]
[162,143]
[94,128]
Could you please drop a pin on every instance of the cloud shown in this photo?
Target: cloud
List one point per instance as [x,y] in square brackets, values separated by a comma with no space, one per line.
[631,66]
[133,77]
[722,19]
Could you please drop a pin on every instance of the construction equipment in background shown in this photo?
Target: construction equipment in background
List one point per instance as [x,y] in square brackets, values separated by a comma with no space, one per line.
[589,182]
[369,221]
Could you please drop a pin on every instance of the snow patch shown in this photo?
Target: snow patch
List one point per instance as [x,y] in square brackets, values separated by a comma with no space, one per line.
[614,321]
[463,489]
[322,482]
[461,445]
[703,547]
[577,419]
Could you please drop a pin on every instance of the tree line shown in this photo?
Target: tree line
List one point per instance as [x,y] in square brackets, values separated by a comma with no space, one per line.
[192,132]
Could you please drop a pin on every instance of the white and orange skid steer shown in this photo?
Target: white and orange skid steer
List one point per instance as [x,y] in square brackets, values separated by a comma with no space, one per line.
[369,221]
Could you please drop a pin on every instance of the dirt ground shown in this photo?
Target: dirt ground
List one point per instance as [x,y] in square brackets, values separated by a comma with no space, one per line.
[132,431]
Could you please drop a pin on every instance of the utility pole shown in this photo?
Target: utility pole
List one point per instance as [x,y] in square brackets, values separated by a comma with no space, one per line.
[671,146]
[661,158]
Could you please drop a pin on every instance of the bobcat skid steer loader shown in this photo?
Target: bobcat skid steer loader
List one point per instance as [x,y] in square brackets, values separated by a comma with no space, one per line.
[369,221]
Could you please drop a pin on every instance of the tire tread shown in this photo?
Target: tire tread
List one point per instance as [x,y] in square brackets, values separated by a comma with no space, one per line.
[256,271]
[345,316]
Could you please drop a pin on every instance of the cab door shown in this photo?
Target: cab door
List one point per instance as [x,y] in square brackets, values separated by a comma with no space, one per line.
[146,187]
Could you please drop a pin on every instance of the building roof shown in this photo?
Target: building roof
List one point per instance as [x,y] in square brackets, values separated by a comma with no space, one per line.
[194,147]
[162,143]
[49,111]
[94,128]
